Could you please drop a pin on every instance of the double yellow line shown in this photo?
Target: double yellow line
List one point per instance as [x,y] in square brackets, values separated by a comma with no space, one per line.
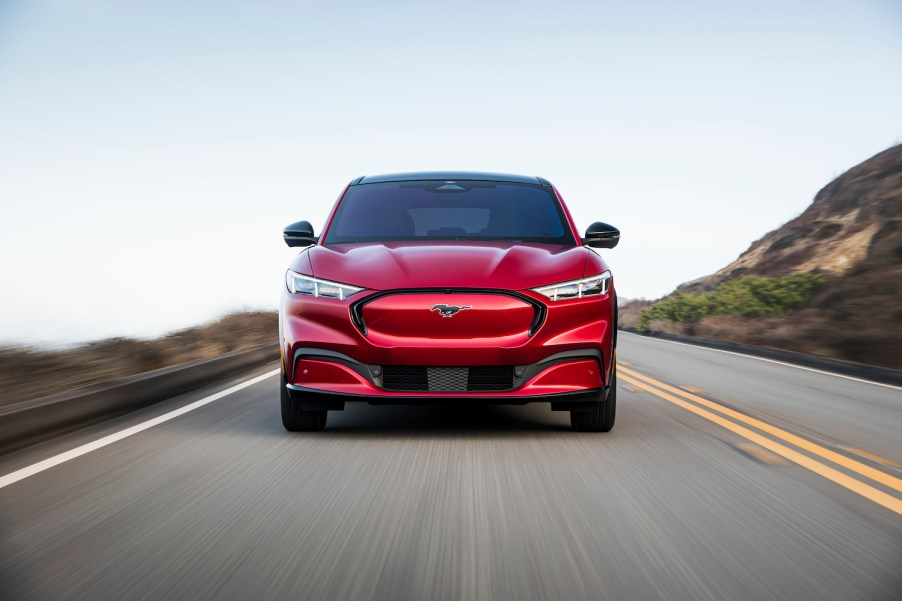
[669,393]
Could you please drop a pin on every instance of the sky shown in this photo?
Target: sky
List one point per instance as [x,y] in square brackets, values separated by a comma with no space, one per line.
[152,151]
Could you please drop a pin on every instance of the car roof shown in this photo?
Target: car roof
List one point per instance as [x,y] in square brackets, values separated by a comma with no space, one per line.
[449,175]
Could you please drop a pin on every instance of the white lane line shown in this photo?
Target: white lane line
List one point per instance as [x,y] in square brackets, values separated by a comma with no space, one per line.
[817,371]
[46,464]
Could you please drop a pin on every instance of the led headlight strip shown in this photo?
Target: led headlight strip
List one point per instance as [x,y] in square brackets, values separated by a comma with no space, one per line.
[591,286]
[304,284]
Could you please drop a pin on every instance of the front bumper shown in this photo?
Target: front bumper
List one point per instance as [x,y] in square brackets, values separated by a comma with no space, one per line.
[325,379]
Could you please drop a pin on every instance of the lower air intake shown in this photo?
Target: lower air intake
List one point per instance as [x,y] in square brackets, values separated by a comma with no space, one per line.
[415,378]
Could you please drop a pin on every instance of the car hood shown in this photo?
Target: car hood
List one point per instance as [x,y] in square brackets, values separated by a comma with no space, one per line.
[390,265]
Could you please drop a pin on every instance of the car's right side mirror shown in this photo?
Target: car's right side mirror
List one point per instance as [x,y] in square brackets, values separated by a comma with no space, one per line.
[299,234]
[601,235]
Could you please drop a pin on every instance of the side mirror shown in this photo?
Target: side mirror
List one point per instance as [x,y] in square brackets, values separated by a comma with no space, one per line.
[602,235]
[299,234]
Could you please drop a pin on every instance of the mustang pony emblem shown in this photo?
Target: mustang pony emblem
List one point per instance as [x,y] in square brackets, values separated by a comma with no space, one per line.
[449,310]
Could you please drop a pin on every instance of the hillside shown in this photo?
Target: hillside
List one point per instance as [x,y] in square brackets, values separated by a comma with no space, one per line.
[27,373]
[852,235]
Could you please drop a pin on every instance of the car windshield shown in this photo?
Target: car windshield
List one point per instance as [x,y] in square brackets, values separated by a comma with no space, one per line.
[445,210]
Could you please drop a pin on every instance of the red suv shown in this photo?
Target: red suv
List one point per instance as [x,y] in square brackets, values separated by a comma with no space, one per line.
[449,287]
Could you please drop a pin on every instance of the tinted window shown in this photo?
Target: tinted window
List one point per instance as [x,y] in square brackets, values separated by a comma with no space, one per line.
[441,210]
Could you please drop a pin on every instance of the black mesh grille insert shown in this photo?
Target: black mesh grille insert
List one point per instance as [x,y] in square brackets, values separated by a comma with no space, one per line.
[415,378]
[490,378]
[447,379]
[401,377]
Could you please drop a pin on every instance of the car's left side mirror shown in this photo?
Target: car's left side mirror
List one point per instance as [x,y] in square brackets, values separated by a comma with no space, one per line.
[299,234]
[601,235]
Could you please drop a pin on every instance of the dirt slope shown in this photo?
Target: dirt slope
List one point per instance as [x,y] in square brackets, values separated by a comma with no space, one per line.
[854,221]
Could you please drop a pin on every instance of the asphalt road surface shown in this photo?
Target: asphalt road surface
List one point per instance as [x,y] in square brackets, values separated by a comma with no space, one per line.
[726,477]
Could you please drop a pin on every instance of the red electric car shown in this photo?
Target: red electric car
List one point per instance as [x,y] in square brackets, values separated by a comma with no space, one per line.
[449,287]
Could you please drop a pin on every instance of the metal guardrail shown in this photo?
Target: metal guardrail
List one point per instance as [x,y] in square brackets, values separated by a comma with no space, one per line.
[28,422]
[884,375]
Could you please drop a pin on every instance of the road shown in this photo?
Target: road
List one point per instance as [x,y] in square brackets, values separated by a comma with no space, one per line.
[726,477]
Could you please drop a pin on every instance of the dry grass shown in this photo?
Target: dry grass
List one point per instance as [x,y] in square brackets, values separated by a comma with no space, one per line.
[27,373]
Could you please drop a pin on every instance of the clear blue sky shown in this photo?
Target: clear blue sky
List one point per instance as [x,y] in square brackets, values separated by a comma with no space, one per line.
[151,152]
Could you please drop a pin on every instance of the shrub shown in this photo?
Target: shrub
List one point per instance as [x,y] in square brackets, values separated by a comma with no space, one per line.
[746,296]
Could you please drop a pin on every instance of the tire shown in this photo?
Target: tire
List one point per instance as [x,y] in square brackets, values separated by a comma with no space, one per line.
[601,417]
[296,419]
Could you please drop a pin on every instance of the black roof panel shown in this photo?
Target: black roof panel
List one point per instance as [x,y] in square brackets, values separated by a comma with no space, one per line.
[448,175]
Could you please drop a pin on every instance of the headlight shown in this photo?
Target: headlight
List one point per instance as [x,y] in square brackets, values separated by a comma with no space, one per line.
[303,284]
[593,286]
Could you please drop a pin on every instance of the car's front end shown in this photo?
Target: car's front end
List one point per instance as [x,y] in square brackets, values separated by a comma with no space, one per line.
[427,312]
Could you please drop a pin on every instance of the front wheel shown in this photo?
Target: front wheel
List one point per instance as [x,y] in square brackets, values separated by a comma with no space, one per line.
[601,417]
[296,419]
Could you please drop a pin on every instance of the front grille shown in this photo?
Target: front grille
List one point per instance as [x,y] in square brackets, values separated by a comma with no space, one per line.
[415,378]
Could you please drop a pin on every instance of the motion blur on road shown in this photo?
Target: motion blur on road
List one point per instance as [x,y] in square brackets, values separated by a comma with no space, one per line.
[726,477]
[151,154]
